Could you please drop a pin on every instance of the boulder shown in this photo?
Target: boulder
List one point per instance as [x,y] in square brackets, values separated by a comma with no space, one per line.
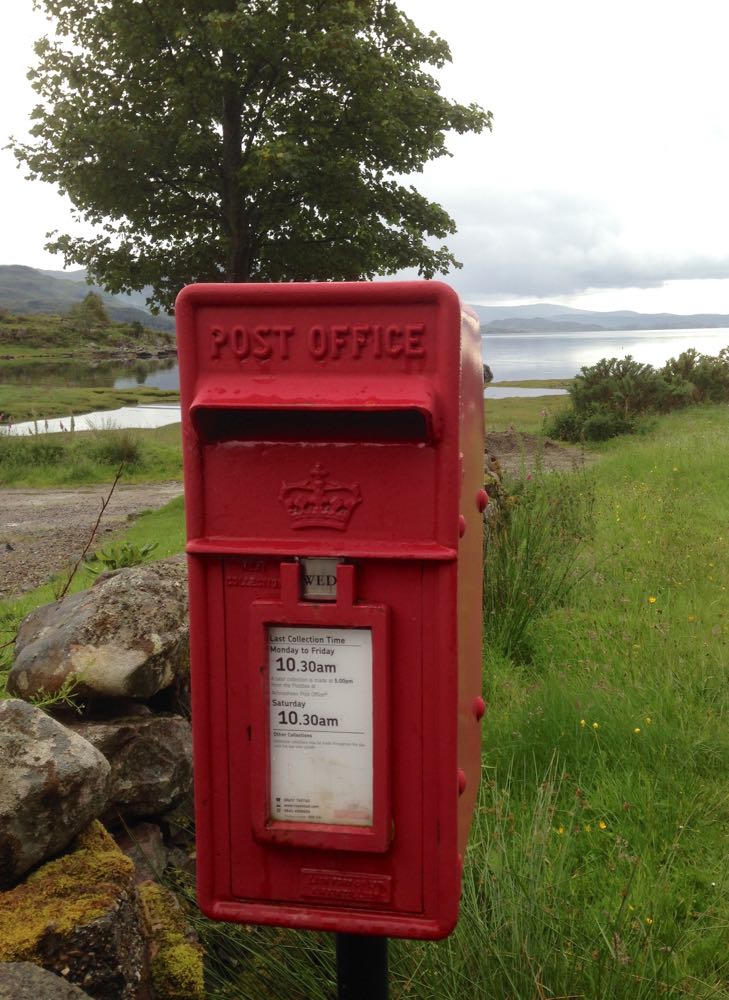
[52,783]
[151,762]
[79,916]
[125,637]
[25,981]
[144,845]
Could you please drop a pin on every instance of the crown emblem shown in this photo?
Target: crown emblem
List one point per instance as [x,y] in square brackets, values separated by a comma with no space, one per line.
[318,502]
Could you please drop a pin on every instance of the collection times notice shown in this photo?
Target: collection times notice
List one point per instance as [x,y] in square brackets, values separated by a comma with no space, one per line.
[320,723]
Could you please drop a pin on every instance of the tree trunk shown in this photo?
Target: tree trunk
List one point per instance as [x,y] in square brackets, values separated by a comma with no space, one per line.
[238,257]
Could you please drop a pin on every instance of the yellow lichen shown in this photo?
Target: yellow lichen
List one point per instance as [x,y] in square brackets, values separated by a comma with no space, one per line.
[73,890]
[175,959]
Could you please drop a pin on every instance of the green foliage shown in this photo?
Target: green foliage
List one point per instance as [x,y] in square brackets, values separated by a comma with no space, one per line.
[116,447]
[119,556]
[244,141]
[89,315]
[597,860]
[705,378]
[610,397]
[90,457]
[83,330]
[532,543]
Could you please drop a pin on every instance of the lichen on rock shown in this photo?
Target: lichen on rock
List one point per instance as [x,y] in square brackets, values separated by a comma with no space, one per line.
[175,956]
[124,637]
[78,916]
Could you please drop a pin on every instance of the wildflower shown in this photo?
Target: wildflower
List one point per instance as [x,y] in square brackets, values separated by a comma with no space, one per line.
[560,829]
[648,720]
[636,730]
[596,725]
[588,828]
[649,920]
[602,824]
[652,599]
[583,723]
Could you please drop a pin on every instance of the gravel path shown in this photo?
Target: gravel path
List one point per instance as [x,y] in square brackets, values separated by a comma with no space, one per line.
[43,531]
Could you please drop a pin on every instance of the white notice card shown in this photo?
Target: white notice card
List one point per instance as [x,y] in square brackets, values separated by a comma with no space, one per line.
[320,712]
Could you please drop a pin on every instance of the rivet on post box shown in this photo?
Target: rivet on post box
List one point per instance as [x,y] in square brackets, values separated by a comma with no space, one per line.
[333,452]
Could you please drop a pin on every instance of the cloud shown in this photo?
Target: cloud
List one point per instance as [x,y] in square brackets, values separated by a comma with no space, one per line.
[543,243]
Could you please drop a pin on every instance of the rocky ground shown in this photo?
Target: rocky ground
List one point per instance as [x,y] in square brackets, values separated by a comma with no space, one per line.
[520,454]
[42,531]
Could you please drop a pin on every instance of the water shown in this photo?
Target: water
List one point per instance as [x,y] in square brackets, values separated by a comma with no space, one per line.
[518,356]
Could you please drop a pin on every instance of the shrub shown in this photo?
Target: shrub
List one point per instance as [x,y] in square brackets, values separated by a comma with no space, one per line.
[596,425]
[700,378]
[622,386]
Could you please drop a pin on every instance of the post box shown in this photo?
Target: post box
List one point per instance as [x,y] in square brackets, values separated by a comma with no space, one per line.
[333,451]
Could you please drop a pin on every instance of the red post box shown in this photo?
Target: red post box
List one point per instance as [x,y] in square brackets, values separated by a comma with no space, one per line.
[333,447]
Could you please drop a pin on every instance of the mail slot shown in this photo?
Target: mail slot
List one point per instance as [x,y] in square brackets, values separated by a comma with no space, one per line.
[333,452]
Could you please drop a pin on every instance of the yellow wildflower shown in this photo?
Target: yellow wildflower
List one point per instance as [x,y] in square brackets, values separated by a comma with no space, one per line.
[636,730]
[649,920]
[648,720]
[652,599]
[560,829]
[588,828]
[583,723]
[596,725]
[602,824]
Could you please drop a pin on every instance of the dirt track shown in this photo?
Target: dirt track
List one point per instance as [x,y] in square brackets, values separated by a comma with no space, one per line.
[42,531]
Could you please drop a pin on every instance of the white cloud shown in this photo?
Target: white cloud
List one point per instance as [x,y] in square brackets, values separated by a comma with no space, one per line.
[606,169]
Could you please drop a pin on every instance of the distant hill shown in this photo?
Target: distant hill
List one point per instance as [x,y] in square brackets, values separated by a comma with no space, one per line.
[548,318]
[29,290]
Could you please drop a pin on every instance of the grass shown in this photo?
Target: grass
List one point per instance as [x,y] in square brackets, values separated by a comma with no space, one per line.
[164,528]
[48,335]
[536,383]
[39,402]
[522,412]
[597,865]
[91,457]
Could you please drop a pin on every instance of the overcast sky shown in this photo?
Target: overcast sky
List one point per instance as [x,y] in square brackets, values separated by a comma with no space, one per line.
[605,183]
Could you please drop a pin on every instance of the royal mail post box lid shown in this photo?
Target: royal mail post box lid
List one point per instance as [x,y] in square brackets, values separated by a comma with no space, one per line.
[381,394]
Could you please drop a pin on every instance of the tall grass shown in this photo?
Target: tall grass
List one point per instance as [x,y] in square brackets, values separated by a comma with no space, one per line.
[90,457]
[533,541]
[597,867]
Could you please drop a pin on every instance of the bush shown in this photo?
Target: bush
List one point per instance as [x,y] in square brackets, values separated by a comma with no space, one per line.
[622,386]
[608,397]
[701,378]
[596,425]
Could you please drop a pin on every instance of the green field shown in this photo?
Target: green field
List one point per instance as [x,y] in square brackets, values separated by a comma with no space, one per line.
[598,860]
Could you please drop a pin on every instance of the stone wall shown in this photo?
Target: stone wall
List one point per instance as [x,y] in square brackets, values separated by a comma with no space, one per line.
[95,801]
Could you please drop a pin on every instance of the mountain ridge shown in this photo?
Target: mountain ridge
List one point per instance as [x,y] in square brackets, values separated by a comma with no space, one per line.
[30,290]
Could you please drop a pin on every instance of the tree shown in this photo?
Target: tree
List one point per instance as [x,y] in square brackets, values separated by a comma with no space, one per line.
[88,315]
[242,140]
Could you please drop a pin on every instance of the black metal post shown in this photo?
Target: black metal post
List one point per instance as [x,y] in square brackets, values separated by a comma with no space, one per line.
[361,967]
